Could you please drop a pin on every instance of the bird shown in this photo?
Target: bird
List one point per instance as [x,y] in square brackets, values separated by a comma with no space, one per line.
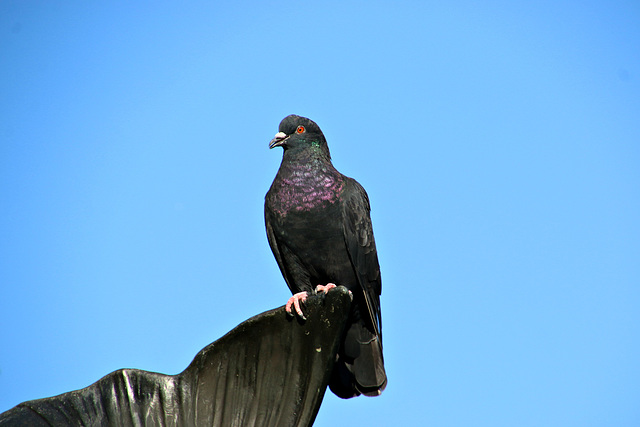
[319,229]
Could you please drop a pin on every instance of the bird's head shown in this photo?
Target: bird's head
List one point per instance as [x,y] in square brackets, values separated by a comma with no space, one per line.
[299,133]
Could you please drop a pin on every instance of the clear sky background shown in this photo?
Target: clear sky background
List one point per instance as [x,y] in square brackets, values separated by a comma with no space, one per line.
[499,143]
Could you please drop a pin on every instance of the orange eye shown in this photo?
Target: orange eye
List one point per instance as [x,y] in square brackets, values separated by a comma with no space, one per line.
[300,129]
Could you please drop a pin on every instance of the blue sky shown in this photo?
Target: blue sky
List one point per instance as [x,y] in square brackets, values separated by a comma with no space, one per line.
[499,143]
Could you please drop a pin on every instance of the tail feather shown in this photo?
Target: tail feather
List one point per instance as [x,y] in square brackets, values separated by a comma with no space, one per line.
[359,367]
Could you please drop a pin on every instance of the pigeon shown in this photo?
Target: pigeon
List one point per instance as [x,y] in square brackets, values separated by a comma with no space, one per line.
[319,230]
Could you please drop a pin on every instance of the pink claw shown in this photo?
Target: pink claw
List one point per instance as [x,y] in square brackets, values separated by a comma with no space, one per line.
[295,301]
[325,289]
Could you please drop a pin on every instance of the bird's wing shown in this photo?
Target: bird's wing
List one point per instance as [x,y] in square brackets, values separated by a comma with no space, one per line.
[358,236]
[273,243]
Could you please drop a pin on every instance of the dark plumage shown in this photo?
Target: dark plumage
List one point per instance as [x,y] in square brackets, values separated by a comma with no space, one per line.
[320,232]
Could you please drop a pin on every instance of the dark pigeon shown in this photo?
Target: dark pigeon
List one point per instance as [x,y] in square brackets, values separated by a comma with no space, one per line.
[320,232]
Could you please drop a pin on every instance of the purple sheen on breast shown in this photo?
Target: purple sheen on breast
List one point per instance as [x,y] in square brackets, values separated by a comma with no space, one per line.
[305,189]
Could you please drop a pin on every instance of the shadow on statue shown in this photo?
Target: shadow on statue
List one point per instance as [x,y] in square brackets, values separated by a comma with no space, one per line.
[271,370]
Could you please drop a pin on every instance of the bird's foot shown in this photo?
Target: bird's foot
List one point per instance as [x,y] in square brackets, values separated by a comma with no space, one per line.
[325,289]
[297,300]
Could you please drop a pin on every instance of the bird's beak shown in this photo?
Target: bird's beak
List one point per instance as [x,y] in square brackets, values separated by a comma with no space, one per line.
[278,140]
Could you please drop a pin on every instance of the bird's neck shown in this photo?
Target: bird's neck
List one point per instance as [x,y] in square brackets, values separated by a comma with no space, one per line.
[313,161]
[306,153]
